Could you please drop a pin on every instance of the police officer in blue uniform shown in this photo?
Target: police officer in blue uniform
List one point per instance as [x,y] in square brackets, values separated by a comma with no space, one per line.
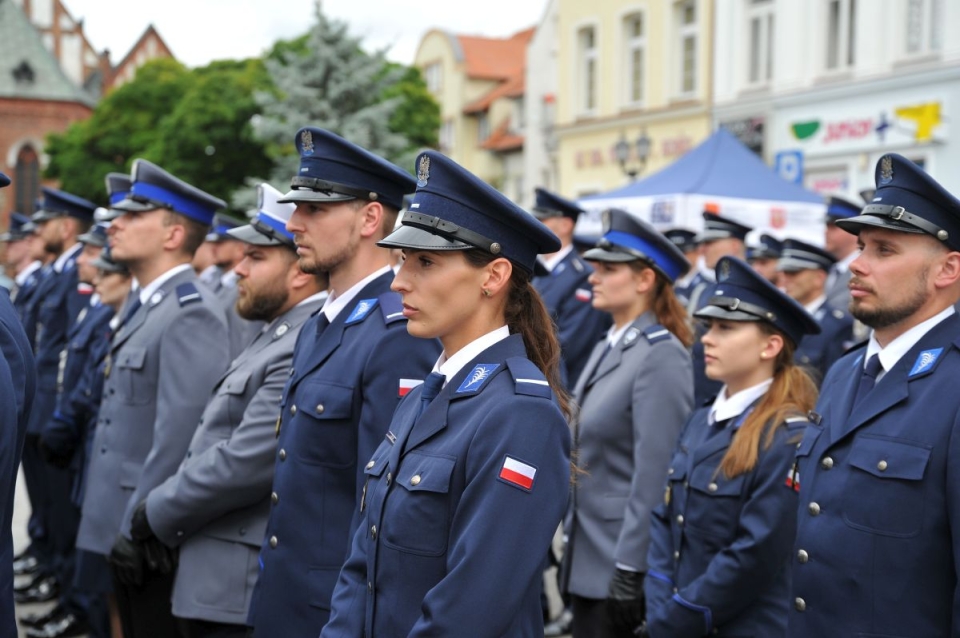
[564,288]
[18,257]
[686,240]
[763,255]
[18,379]
[721,539]
[803,268]
[877,542]
[352,363]
[463,495]
[842,246]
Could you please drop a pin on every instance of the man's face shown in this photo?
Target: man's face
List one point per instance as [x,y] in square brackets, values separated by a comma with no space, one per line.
[227,253]
[137,237]
[265,274]
[51,234]
[766,268]
[327,234]
[561,226]
[36,247]
[805,286]
[85,271]
[16,251]
[714,250]
[838,242]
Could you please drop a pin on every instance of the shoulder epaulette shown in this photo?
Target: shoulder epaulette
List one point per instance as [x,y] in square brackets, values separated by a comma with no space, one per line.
[578,264]
[656,333]
[187,293]
[361,311]
[391,305]
[528,378]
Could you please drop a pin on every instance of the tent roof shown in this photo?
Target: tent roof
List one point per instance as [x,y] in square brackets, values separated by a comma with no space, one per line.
[720,166]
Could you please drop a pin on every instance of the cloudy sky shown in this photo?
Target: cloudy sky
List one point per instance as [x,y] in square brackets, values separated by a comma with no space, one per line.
[202,30]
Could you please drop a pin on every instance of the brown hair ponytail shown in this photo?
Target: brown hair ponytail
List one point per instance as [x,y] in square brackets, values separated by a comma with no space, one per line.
[792,393]
[667,308]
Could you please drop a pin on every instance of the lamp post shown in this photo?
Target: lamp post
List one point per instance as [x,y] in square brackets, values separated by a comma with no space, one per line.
[642,153]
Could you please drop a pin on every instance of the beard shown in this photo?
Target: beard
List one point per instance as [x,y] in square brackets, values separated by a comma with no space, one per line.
[262,305]
[886,316]
[330,262]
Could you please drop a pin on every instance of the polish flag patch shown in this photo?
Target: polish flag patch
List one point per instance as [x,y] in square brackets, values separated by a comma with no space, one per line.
[84,289]
[406,385]
[793,479]
[517,473]
[582,294]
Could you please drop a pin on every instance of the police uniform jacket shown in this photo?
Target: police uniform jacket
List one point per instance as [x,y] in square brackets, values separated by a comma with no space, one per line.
[633,403]
[345,384]
[215,507]
[817,352]
[568,296]
[241,331]
[877,537]
[450,543]
[720,548]
[161,367]
[25,302]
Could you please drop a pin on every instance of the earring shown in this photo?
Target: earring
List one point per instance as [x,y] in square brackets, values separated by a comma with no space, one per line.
[486,293]
[763,355]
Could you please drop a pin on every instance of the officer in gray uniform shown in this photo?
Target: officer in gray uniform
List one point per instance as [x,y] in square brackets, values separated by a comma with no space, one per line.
[227,253]
[162,364]
[215,507]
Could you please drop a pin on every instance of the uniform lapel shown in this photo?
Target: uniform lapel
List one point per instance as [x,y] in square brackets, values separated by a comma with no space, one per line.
[710,443]
[613,358]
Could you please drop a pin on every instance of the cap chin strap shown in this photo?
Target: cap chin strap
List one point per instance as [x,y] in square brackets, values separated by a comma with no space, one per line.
[449,230]
[900,214]
[316,184]
[735,304]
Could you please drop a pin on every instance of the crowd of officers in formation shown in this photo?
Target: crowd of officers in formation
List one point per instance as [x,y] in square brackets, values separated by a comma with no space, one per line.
[365,416]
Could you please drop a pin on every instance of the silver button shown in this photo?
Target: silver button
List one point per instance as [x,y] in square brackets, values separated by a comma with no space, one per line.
[802,556]
[415,480]
[826,463]
[679,519]
[291,372]
[676,556]
[389,478]
[282,454]
[319,408]
[800,604]
[712,487]
[274,498]
[293,409]
[814,509]
[882,466]
[371,464]
[373,532]
[369,586]
[273,542]
[670,471]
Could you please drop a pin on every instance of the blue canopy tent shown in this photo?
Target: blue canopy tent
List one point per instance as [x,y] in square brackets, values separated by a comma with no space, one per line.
[720,174]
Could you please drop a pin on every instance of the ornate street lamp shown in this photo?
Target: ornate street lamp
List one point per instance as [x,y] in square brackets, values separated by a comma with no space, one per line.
[642,153]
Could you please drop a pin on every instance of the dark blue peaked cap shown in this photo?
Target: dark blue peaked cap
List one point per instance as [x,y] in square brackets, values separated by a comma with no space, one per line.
[716,227]
[20,228]
[118,185]
[454,210]
[908,200]
[221,226]
[840,208]
[57,203]
[627,238]
[333,169]
[683,238]
[152,188]
[767,247]
[799,255]
[741,294]
[104,261]
[96,236]
[4,180]
[551,205]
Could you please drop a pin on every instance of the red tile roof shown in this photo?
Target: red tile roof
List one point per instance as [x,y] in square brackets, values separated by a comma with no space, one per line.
[513,87]
[502,139]
[495,58]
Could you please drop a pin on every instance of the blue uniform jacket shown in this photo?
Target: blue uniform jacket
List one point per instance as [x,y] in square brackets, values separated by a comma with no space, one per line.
[720,550]
[25,302]
[878,539]
[568,298]
[344,387]
[818,352]
[450,543]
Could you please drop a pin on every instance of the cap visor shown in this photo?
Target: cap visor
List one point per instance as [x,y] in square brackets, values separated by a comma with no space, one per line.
[250,235]
[92,240]
[712,235]
[307,195]
[854,225]
[787,264]
[132,206]
[45,216]
[108,266]
[716,312]
[419,239]
[602,254]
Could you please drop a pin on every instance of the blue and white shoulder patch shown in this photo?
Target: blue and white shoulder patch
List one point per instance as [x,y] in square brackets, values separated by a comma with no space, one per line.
[926,361]
[528,379]
[656,333]
[361,311]
[478,377]
[186,293]
[391,305]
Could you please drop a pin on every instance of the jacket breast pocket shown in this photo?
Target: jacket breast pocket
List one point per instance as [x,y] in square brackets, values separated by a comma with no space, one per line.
[129,367]
[885,492]
[416,516]
[325,411]
[713,501]
[232,390]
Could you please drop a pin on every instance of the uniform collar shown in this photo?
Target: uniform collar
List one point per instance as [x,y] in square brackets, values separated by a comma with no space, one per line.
[147,291]
[902,344]
[338,301]
[450,367]
[725,407]
[556,257]
[814,306]
[615,334]
[60,263]
[22,276]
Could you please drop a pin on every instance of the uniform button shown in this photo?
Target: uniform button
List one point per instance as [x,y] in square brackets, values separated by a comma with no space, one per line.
[291,372]
[243,531]
[686,484]
[814,509]
[373,532]
[415,480]
[293,409]
[712,487]
[112,391]
[670,471]
[882,466]
[179,533]
[389,478]
[274,498]
[371,464]
[103,450]
[800,604]
[319,408]
[679,519]
[802,555]
[273,542]
[369,587]
[826,463]
[282,454]
[676,556]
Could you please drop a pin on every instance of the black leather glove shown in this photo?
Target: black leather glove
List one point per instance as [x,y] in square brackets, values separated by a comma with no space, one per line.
[159,557]
[54,457]
[140,528]
[126,558]
[625,602]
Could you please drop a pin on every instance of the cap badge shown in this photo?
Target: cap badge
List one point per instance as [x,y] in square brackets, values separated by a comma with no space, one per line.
[306,143]
[724,273]
[423,171]
[886,170]
[281,330]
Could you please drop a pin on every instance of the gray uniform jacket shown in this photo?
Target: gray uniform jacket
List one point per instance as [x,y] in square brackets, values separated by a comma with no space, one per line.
[633,402]
[241,331]
[216,506]
[838,295]
[161,367]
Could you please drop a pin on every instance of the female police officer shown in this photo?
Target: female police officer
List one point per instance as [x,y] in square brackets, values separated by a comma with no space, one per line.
[720,542]
[464,494]
[635,394]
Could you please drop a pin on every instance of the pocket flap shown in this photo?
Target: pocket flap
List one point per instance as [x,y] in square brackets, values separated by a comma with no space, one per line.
[236,384]
[711,480]
[327,401]
[810,436]
[131,357]
[378,462]
[130,474]
[423,473]
[889,459]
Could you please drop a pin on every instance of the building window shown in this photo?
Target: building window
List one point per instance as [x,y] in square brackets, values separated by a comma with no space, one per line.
[587,42]
[433,76]
[635,40]
[446,136]
[760,24]
[686,20]
[841,29]
[27,179]
[924,26]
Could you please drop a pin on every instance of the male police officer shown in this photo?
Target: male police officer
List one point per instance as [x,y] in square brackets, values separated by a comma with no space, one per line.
[686,240]
[215,507]
[843,246]
[877,542]
[564,288]
[162,364]
[352,363]
[803,269]
[228,251]
[763,255]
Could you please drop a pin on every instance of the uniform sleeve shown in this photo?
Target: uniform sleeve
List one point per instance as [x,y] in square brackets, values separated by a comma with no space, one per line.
[193,354]
[739,573]
[662,402]
[230,475]
[348,605]
[842,337]
[953,508]
[500,533]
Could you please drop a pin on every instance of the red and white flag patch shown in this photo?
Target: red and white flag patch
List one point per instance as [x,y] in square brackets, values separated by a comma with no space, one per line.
[793,479]
[406,385]
[517,473]
[584,295]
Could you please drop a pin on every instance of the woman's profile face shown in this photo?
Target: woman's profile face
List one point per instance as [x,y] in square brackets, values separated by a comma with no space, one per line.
[441,292]
[615,286]
[734,350]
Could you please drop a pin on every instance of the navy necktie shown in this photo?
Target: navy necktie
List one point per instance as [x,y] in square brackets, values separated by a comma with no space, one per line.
[430,389]
[867,379]
[130,311]
[322,323]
